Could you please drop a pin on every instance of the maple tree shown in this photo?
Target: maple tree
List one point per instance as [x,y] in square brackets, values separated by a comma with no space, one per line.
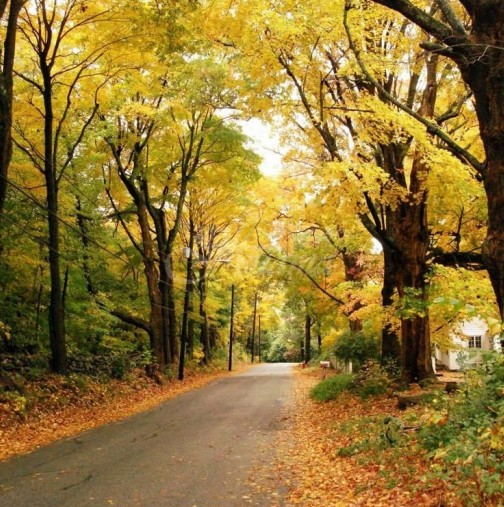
[61,114]
[215,212]
[468,33]
[351,119]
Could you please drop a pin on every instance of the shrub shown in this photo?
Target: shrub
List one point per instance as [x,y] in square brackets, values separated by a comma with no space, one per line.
[465,436]
[332,387]
[371,380]
[357,348]
[120,365]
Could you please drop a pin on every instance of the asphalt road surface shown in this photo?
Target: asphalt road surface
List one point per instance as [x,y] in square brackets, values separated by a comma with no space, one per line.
[200,449]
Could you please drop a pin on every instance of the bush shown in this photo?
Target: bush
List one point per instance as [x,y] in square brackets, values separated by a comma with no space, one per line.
[465,436]
[371,380]
[332,387]
[357,348]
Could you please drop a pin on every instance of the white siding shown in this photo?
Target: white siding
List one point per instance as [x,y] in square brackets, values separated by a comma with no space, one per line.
[460,338]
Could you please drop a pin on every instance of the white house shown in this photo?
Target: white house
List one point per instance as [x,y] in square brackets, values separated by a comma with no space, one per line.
[469,339]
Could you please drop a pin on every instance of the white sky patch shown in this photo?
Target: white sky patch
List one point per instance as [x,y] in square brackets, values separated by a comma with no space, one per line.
[376,248]
[266,143]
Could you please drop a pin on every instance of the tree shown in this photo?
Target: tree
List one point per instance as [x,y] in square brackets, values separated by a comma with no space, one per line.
[356,126]
[55,76]
[217,203]
[469,34]
[6,87]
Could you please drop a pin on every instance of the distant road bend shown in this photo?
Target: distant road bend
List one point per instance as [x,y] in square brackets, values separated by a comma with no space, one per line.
[197,450]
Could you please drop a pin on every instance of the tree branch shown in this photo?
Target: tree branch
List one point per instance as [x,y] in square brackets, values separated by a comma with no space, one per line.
[432,128]
[299,268]
[130,319]
[451,17]
[469,260]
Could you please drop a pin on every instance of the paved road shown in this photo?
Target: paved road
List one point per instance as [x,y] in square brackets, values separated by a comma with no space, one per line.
[197,450]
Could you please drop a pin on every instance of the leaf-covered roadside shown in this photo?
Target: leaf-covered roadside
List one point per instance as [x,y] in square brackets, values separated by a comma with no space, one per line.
[330,455]
[56,407]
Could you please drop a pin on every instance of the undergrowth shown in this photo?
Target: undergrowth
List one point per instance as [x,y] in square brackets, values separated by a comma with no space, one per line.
[461,435]
[370,380]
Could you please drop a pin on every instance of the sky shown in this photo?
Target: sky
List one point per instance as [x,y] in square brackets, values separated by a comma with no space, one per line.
[265,143]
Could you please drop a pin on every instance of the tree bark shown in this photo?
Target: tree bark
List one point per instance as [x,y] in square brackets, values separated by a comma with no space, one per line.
[152,278]
[307,340]
[6,85]
[56,309]
[187,304]
[252,337]
[413,241]
[391,348]
[81,222]
[485,77]
[204,335]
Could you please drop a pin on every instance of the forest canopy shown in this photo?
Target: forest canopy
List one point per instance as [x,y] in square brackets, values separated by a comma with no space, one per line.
[132,203]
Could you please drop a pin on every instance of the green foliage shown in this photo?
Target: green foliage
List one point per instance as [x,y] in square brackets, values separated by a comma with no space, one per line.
[372,437]
[412,304]
[465,436]
[357,348]
[332,387]
[371,380]
[119,367]
[277,351]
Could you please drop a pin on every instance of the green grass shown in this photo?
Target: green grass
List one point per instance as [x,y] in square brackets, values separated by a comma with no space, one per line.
[332,387]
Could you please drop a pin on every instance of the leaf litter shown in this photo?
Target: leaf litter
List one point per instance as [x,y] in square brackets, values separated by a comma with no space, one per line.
[312,469]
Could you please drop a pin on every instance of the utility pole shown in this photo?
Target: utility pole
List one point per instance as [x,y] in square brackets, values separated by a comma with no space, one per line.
[187,301]
[231,330]
[252,348]
[259,339]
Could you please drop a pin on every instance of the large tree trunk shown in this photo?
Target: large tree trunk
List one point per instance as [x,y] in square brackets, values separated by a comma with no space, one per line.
[167,300]
[154,294]
[412,235]
[391,349]
[485,77]
[6,83]
[413,241]
[56,309]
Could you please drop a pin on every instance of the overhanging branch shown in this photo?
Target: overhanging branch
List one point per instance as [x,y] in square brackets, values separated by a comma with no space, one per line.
[299,268]
[432,127]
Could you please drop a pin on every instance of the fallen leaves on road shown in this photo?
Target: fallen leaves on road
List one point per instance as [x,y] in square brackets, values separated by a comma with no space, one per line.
[66,407]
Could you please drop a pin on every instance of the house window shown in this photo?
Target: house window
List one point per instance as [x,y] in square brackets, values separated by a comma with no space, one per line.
[474,342]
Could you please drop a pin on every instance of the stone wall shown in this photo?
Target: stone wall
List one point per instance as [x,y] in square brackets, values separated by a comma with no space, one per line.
[114,365]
